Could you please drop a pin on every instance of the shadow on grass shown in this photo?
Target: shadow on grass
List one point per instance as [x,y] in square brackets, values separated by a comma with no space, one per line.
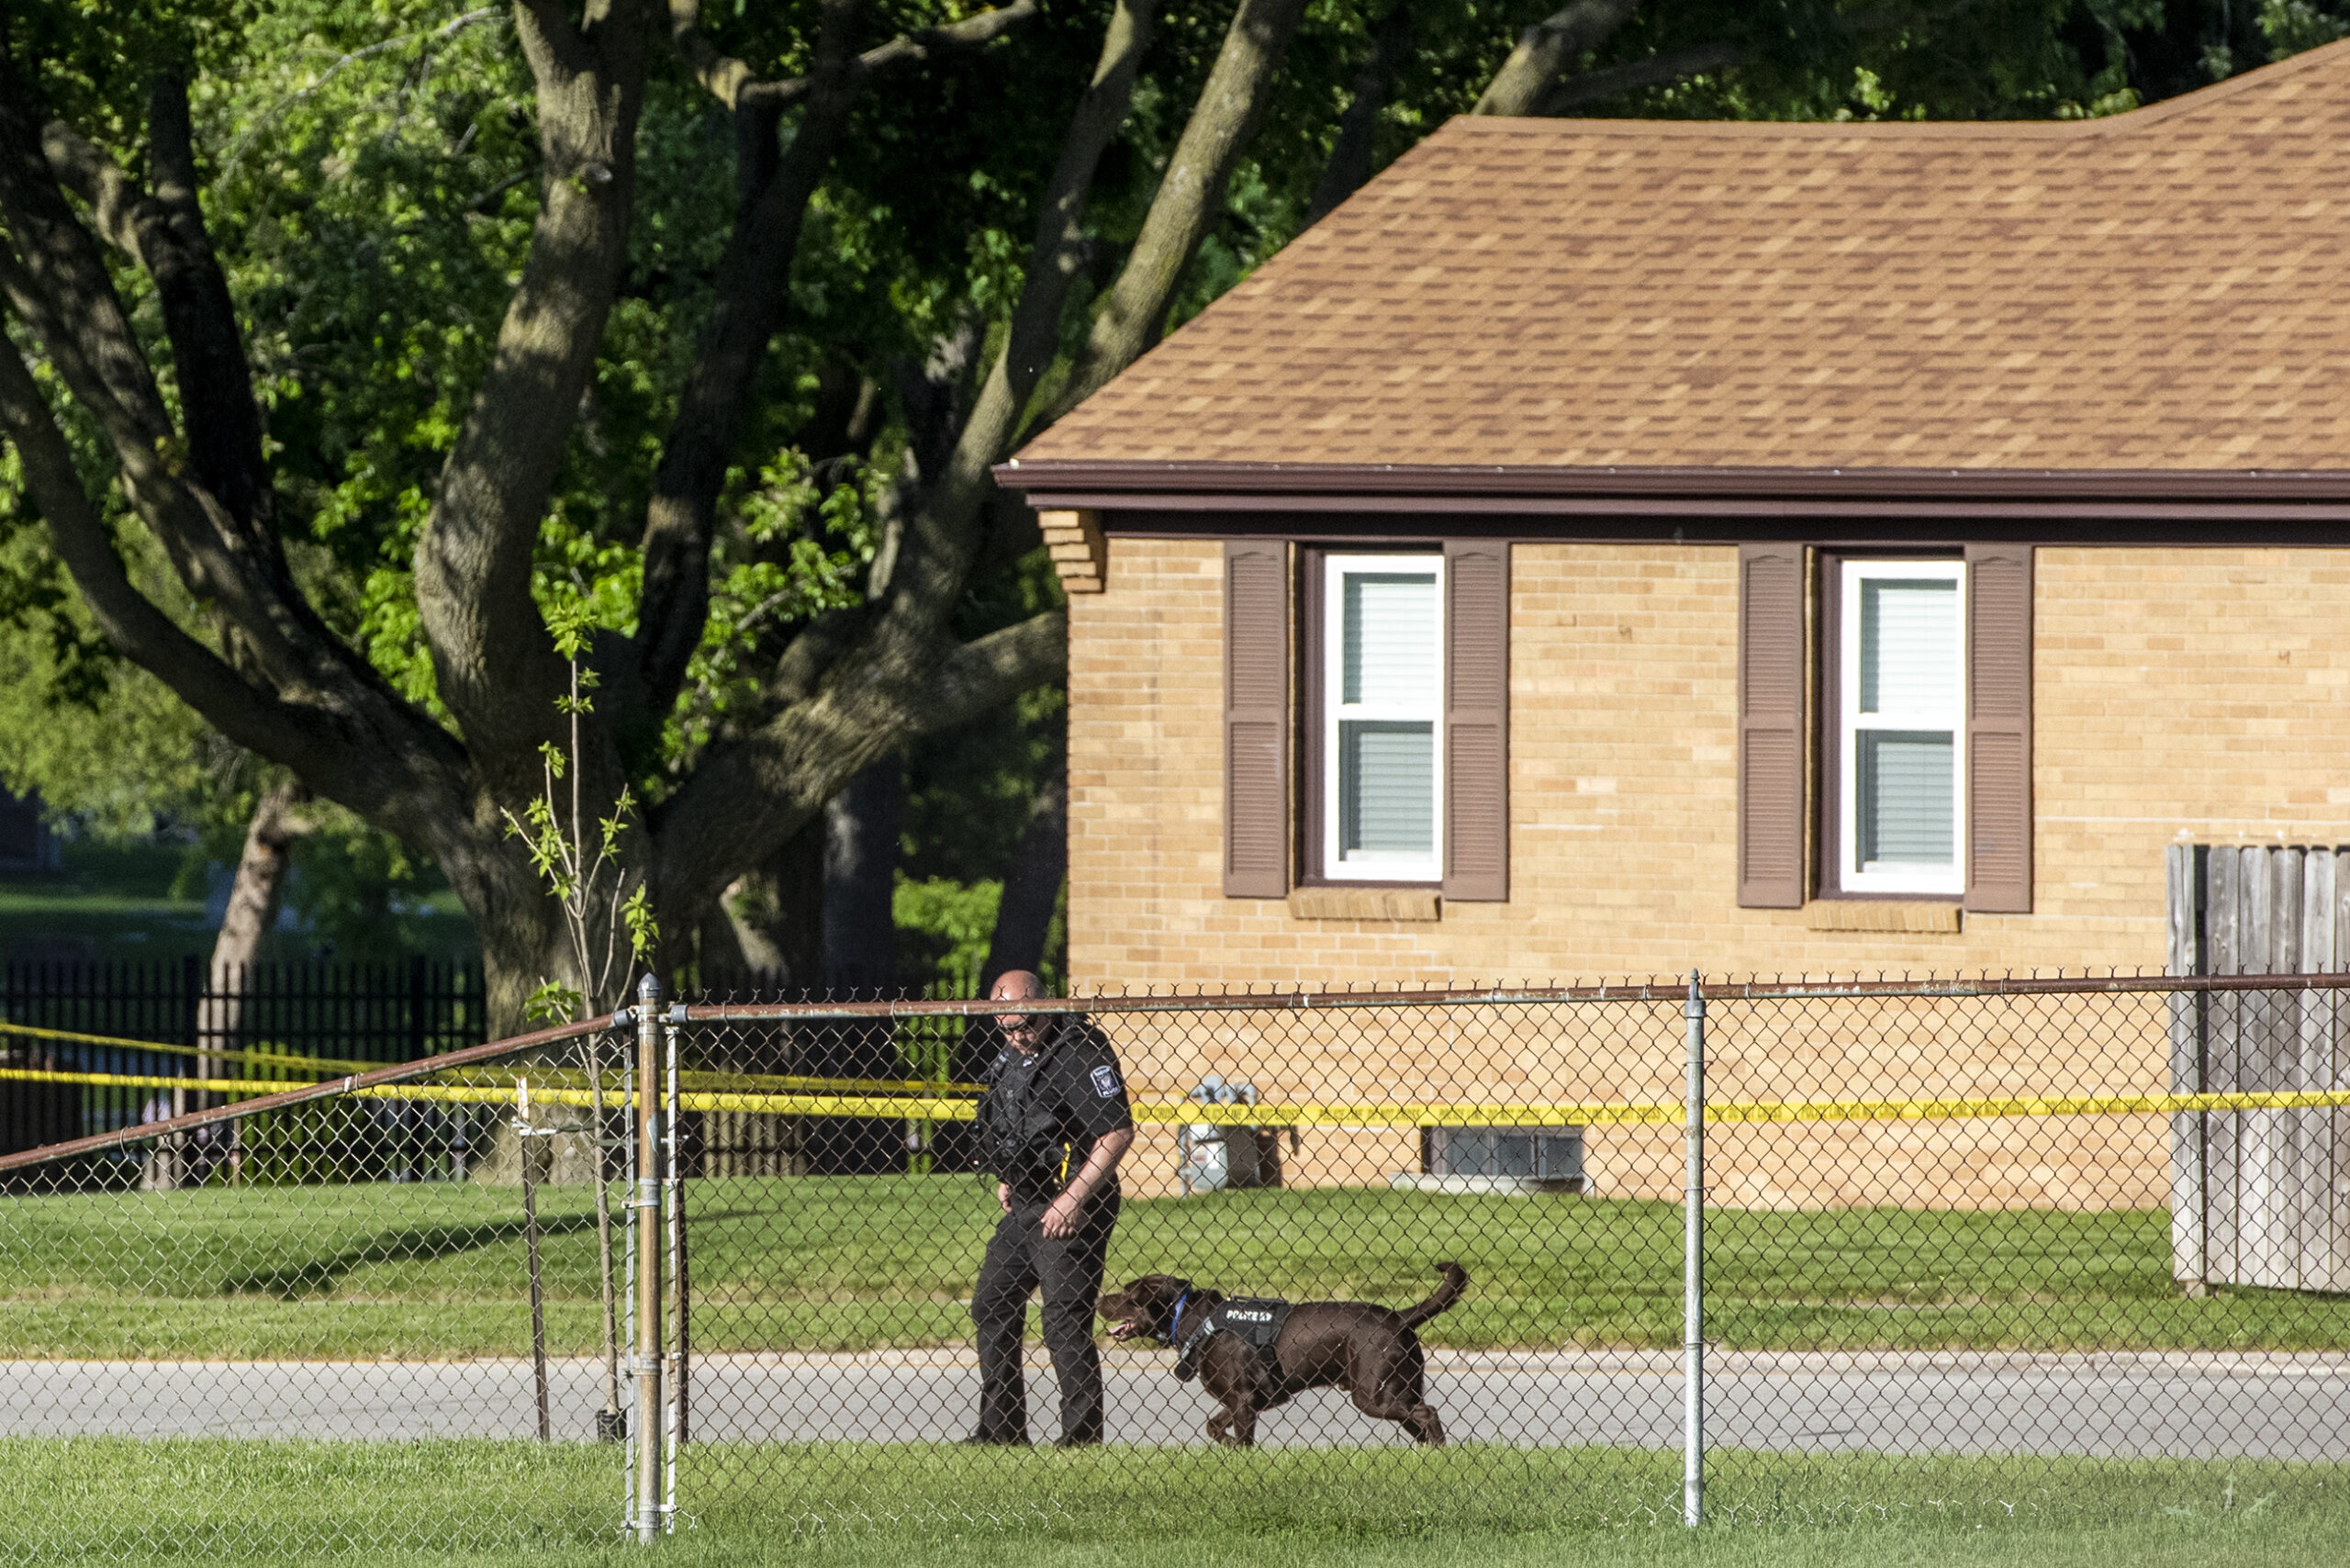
[412,1244]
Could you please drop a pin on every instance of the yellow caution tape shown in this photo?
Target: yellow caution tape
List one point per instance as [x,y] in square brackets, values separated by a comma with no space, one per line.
[265,1058]
[244,1086]
[2023,1105]
[1477,1114]
[1450,1113]
[1542,1113]
[755,1082]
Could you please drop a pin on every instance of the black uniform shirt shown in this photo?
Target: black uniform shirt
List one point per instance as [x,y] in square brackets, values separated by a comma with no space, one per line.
[1041,1113]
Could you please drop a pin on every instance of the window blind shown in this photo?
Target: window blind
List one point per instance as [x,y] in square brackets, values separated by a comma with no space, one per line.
[1909,667]
[1386,789]
[1909,646]
[1389,640]
[1906,797]
[1389,680]
[1904,711]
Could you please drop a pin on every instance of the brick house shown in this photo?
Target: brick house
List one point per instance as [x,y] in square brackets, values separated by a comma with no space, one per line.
[1615,547]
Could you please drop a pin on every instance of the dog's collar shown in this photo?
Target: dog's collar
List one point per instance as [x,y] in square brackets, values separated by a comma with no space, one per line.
[1175,1319]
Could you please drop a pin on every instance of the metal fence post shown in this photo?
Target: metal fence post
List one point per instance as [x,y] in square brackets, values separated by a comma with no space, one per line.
[1693,1270]
[673,1187]
[649,1171]
[522,1131]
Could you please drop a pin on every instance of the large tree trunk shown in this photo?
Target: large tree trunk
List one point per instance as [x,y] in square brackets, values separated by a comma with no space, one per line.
[776,916]
[1032,886]
[1548,48]
[848,692]
[861,826]
[254,898]
[860,960]
[1351,151]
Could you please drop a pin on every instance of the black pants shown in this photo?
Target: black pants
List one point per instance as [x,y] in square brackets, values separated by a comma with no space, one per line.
[1021,1258]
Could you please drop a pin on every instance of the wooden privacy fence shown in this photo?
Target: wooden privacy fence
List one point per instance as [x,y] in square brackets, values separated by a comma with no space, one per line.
[2260,1197]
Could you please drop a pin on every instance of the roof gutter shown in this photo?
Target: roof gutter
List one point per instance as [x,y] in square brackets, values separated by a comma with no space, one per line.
[2321,495]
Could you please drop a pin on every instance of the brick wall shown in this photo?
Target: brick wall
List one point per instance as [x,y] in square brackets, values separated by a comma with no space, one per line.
[2189,693]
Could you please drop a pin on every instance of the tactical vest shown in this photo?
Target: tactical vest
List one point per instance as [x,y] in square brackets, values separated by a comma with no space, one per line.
[1021,1132]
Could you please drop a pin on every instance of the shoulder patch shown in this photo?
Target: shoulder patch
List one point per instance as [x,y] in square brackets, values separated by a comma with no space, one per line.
[1105,1080]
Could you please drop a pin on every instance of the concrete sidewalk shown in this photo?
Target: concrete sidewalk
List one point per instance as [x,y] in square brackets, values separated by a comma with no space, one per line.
[2168,1404]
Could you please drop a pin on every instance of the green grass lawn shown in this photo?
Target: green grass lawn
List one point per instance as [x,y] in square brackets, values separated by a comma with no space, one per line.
[487,1502]
[852,1263]
[118,897]
[140,902]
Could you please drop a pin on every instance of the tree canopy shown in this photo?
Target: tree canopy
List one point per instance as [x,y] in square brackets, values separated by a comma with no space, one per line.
[350,342]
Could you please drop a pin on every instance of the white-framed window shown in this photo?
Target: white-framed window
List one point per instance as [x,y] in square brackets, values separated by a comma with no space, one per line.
[1382,718]
[1901,731]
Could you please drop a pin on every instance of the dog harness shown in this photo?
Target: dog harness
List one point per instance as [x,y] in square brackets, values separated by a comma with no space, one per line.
[1256,1320]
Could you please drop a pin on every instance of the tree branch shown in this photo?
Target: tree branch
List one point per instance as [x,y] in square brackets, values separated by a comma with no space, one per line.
[216,384]
[1350,153]
[62,288]
[988,672]
[1547,49]
[747,799]
[495,669]
[736,86]
[449,28]
[85,170]
[1597,86]
[166,233]
[1135,312]
[63,263]
[940,538]
[359,745]
[753,287]
[196,550]
[129,619]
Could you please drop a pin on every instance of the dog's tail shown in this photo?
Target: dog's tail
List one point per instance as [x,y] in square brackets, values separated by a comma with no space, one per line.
[1456,1282]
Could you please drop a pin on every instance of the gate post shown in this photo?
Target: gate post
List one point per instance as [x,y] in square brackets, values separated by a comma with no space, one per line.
[647,1430]
[1693,1269]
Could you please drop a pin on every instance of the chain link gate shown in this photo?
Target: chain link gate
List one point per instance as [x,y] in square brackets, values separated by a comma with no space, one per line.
[391,1309]
[1993,1245]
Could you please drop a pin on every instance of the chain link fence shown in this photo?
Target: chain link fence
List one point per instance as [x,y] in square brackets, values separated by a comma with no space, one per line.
[345,1314]
[2003,1246]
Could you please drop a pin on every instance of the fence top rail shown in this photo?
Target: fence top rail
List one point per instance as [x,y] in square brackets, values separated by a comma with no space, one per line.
[1659,991]
[397,1072]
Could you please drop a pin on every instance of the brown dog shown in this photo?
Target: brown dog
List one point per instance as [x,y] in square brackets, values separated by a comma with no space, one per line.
[1367,1349]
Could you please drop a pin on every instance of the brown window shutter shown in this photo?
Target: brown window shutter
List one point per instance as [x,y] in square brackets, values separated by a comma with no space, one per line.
[1476,721]
[1998,728]
[1256,719]
[1771,733]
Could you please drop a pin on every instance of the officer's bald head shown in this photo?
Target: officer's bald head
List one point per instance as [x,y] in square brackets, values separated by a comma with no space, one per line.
[1016,985]
[1023,1029]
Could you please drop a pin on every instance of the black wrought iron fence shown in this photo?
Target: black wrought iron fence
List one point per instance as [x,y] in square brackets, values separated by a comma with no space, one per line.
[2009,1246]
[109,1033]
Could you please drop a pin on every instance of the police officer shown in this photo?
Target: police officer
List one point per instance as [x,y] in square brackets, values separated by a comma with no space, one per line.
[1054,1123]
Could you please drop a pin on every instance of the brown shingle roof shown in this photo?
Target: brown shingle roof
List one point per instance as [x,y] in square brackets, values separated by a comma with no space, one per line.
[2167,290]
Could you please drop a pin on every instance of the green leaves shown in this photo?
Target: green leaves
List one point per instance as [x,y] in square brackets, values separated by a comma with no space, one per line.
[644,931]
[597,888]
[554,1003]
